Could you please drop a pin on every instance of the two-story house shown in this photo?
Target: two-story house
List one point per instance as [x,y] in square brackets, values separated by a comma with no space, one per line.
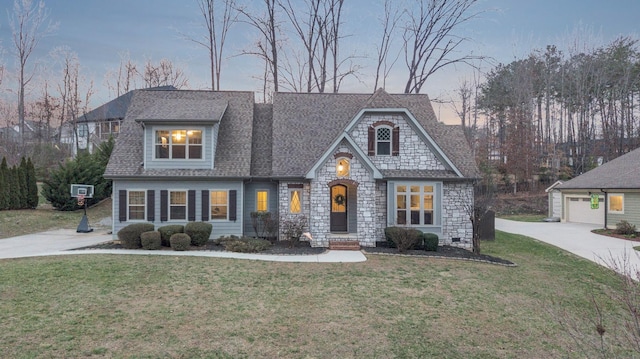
[352,164]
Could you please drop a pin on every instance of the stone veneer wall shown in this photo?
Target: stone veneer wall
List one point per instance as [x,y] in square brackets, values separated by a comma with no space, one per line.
[414,153]
[320,201]
[456,197]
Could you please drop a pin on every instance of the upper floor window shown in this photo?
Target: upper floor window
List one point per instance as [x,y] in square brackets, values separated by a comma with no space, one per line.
[178,144]
[342,167]
[108,129]
[83,130]
[383,141]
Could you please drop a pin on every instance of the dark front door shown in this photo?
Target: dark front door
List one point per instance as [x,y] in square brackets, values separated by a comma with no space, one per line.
[338,208]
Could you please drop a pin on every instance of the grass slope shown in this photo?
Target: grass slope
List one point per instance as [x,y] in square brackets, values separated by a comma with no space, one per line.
[402,307]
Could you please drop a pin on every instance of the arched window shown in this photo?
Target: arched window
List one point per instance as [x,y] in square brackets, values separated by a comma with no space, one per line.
[384,139]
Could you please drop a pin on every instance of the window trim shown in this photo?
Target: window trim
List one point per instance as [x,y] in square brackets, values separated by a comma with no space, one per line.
[186,204]
[436,203]
[266,201]
[300,197]
[609,210]
[212,204]
[154,144]
[346,172]
[144,205]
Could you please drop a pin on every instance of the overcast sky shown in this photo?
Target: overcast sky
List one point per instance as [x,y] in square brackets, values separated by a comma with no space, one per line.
[99,30]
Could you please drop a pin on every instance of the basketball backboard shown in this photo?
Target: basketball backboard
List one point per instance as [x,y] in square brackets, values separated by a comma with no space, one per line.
[85,190]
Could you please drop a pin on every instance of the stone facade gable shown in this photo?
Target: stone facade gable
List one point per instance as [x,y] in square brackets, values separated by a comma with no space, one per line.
[414,152]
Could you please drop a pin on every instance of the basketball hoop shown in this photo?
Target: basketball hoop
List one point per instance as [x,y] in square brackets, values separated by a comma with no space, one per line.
[80,200]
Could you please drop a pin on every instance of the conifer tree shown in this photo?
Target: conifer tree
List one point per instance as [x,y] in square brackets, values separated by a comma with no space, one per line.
[4,185]
[32,185]
[22,184]
[14,188]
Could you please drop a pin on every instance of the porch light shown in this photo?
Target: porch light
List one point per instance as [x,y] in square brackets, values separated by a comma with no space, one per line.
[342,167]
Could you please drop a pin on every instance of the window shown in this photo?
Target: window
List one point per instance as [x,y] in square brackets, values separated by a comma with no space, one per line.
[261,201]
[178,205]
[616,203]
[136,202]
[219,205]
[178,144]
[83,130]
[415,204]
[383,141]
[295,201]
[108,129]
[342,167]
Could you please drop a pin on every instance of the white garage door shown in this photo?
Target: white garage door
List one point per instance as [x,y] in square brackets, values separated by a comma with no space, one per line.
[579,211]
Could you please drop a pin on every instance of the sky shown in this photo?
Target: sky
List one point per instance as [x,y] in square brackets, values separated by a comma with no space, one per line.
[101,31]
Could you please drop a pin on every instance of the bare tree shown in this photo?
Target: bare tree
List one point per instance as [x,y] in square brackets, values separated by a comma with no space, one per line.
[122,80]
[429,38]
[389,24]
[267,46]
[217,27]
[28,27]
[164,74]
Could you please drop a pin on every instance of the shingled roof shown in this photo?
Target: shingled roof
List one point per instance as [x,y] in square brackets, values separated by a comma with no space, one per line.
[115,109]
[620,173]
[235,135]
[305,125]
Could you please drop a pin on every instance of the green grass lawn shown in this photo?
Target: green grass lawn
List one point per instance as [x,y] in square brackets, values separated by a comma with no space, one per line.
[387,307]
[524,217]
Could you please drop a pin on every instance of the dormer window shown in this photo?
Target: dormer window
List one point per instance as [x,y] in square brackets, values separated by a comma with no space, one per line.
[178,144]
[342,167]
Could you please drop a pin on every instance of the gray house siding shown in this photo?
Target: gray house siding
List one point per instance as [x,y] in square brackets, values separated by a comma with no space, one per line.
[631,210]
[209,136]
[250,190]
[220,227]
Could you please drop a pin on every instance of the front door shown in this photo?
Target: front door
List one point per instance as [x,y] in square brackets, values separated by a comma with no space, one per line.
[338,208]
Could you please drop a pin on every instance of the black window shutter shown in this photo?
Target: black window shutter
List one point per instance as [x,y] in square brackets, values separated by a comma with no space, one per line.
[205,205]
[191,204]
[372,141]
[164,199]
[151,205]
[395,141]
[122,205]
[232,205]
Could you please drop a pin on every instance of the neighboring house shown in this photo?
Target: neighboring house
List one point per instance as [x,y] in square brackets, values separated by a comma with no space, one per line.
[615,186]
[98,125]
[352,164]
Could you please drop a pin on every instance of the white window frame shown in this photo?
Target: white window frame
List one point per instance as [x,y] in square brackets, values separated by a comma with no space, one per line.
[346,170]
[144,205]
[169,144]
[300,197]
[609,210]
[378,128]
[186,204]
[266,204]
[436,198]
[212,205]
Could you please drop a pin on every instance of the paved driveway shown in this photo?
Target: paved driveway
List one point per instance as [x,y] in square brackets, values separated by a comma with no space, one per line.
[578,239]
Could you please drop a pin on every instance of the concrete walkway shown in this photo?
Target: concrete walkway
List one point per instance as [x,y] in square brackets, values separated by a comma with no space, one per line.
[59,242]
[578,239]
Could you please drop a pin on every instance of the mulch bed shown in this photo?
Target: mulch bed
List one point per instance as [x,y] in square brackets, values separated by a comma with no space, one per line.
[304,248]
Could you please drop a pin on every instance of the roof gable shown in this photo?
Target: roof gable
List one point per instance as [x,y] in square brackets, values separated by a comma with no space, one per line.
[376,174]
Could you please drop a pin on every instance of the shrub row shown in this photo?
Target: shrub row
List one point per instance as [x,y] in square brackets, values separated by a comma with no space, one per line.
[244,244]
[144,235]
[409,238]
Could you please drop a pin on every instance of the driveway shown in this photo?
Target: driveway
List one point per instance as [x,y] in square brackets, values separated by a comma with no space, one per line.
[58,242]
[578,239]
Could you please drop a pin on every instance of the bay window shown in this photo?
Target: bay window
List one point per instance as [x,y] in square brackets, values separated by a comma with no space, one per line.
[415,204]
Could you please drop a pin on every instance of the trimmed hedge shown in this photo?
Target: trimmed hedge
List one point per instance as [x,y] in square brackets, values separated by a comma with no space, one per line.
[199,232]
[403,238]
[129,236]
[180,241]
[167,231]
[151,240]
[244,245]
[430,241]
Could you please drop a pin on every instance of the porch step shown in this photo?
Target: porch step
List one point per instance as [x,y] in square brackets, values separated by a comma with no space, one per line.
[344,245]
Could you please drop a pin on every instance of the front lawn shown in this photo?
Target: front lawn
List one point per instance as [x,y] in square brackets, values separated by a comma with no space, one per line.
[388,306]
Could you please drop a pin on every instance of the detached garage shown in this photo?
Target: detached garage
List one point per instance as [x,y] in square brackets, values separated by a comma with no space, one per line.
[617,187]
